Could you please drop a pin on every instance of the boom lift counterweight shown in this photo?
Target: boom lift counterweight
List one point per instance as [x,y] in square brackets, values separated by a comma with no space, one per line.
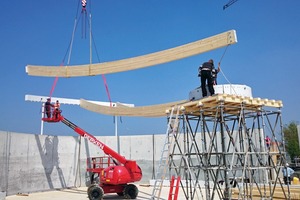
[114,177]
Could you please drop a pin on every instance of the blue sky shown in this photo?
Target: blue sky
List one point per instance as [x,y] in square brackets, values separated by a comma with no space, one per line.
[38,33]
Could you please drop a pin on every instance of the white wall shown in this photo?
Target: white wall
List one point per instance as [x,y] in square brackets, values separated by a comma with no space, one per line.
[32,163]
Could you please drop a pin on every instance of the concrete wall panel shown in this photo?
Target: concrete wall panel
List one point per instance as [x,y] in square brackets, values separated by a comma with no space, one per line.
[159,141]
[31,163]
[3,160]
[40,162]
[141,147]
[125,146]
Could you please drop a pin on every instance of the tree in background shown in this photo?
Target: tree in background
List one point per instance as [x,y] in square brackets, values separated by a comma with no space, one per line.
[291,140]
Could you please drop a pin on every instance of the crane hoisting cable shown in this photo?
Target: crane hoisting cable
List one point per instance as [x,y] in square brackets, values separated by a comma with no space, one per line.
[69,50]
[229,4]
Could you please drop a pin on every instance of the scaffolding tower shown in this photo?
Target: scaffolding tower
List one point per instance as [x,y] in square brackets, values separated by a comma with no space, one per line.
[219,149]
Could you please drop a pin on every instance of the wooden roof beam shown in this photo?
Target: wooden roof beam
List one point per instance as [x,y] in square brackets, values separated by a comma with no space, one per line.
[152,59]
[209,105]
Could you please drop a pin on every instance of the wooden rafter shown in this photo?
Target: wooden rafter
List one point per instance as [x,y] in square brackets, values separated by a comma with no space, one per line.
[232,103]
[158,110]
[152,59]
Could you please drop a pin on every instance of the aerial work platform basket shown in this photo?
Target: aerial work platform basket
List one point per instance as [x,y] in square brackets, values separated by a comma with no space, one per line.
[51,114]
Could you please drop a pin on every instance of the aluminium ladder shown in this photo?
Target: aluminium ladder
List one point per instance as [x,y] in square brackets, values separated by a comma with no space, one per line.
[171,132]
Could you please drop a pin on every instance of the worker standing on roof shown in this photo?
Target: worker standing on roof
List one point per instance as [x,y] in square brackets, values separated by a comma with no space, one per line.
[205,72]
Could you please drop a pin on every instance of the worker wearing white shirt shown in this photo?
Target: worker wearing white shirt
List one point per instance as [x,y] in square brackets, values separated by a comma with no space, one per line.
[287,173]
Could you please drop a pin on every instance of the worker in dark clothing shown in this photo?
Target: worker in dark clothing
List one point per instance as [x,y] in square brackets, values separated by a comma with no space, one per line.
[205,72]
[48,106]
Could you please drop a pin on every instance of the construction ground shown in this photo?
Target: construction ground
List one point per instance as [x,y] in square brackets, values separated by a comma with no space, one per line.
[80,193]
[145,192]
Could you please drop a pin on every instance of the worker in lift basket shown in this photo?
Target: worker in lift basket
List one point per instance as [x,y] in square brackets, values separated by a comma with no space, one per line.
[56,111]
[48,106]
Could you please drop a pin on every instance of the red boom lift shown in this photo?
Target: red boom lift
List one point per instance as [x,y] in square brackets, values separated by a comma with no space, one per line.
[114,177]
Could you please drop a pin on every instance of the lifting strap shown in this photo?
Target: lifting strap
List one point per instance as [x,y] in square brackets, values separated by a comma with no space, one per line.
[222,70]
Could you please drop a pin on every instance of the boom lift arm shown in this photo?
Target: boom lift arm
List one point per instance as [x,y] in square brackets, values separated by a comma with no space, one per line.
[113,178]
[94,140]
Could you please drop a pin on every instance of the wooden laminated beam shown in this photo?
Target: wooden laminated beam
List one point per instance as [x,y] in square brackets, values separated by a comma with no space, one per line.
[152,59]
[232,105]
[159,110]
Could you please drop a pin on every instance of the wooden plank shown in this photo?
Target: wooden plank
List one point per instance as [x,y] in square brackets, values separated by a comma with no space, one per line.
[158,110]
[209,105]
[278,193]
[152,59]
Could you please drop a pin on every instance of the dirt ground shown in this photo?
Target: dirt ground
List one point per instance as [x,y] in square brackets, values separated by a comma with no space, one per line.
[145,192]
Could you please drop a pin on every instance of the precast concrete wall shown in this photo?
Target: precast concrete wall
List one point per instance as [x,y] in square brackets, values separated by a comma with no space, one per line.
[31,163]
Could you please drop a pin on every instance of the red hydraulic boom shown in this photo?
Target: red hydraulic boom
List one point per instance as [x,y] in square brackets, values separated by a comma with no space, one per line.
[114,178]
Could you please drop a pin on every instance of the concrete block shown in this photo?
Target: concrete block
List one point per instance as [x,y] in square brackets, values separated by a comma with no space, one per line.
[2,195]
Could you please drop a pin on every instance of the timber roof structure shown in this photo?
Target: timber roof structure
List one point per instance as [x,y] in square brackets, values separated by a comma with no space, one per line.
[207,106]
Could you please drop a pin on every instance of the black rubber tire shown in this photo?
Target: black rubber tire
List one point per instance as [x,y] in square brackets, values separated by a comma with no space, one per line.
[130,191]
[95,192]
[91,186]
[120,194]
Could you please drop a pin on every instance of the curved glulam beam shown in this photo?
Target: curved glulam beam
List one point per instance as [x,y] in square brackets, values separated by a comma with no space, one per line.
[208,106]
[176,53]
[158,110]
